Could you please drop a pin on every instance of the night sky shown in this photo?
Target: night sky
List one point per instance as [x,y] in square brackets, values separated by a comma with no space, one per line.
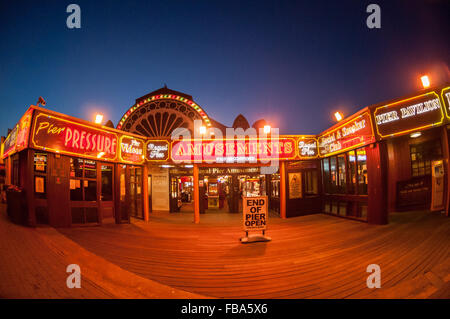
[291,63]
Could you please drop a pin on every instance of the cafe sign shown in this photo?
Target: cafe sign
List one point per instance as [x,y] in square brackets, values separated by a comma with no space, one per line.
[408,115]
[233,150]
[131,149]
[51,133]
[354,133]
[307,148]
[157,150]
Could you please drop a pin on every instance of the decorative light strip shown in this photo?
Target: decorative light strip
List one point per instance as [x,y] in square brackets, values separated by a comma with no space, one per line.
[165,96]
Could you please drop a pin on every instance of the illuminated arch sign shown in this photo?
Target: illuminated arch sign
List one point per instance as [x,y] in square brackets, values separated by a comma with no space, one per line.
[233,150]
[408,115]
[59,135]
[354,133]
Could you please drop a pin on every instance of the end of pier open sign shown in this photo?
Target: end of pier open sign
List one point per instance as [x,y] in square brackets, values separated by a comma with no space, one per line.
[255,213]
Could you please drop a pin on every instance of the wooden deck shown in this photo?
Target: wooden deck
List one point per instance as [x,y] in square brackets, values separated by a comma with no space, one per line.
[317,256]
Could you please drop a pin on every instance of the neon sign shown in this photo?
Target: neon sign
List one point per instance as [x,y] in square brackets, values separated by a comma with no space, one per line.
[63,136]
[408,115]
[233,150]
[354,133]
[157,150]
[131,149]
[307,148]
[446,99]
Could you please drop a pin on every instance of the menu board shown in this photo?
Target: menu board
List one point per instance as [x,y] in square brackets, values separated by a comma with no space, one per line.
[408,115]
[351,134]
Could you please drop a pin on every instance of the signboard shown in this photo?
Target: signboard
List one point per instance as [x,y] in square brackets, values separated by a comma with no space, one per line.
[415,193]
[17,139]
[255,213]
[446,98]
[228,170]
[354,133]
[233,150]
[131,149]
[307,148]
[59,135]
[157,150]
[408,115]
[295,185]
[9,145]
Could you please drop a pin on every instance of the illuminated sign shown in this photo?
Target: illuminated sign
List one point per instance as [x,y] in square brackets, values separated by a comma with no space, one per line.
[17,139]
[157,150]
[307,148]
[408,115]
[131,149]
[9,145]
[352,134]
[63,136]
[233,150]
[446,98]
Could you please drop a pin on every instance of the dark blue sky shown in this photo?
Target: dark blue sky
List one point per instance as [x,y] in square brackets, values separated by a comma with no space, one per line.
[290,62]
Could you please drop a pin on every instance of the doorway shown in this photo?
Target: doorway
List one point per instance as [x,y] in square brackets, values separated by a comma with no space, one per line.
[106,192]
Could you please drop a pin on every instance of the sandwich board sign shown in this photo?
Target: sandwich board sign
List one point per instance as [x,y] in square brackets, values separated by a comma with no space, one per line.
[255,216]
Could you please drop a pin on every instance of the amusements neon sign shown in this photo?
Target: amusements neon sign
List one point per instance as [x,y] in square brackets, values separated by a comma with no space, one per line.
[230,151]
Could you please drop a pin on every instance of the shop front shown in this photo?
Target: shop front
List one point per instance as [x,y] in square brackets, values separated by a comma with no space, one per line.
[387,157]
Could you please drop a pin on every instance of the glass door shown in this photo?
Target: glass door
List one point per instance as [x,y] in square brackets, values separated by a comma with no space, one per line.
[136,192]
[106,192]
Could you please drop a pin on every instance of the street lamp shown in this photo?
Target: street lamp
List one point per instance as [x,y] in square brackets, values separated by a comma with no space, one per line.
[425,81]
[339,116]
[98,119]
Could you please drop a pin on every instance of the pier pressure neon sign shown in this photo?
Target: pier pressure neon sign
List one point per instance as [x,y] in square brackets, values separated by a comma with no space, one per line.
[63,136]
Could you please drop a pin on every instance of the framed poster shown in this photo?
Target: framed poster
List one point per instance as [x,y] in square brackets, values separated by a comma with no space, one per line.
[39,184]
[295,185]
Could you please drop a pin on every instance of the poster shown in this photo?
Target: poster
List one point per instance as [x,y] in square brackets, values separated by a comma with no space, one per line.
[255,213]
[72,184]
[295,185]
[39,184]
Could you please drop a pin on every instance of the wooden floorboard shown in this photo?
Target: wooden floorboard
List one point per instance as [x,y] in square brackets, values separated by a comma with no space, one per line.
[315,256]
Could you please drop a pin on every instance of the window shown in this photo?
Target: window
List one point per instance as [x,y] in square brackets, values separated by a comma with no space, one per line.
[326,175]
[107,183]
[311,182]
[275,186]
[342,182]
[346,173]
[422,155]
[334,175]
[362,171]
[83,183]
